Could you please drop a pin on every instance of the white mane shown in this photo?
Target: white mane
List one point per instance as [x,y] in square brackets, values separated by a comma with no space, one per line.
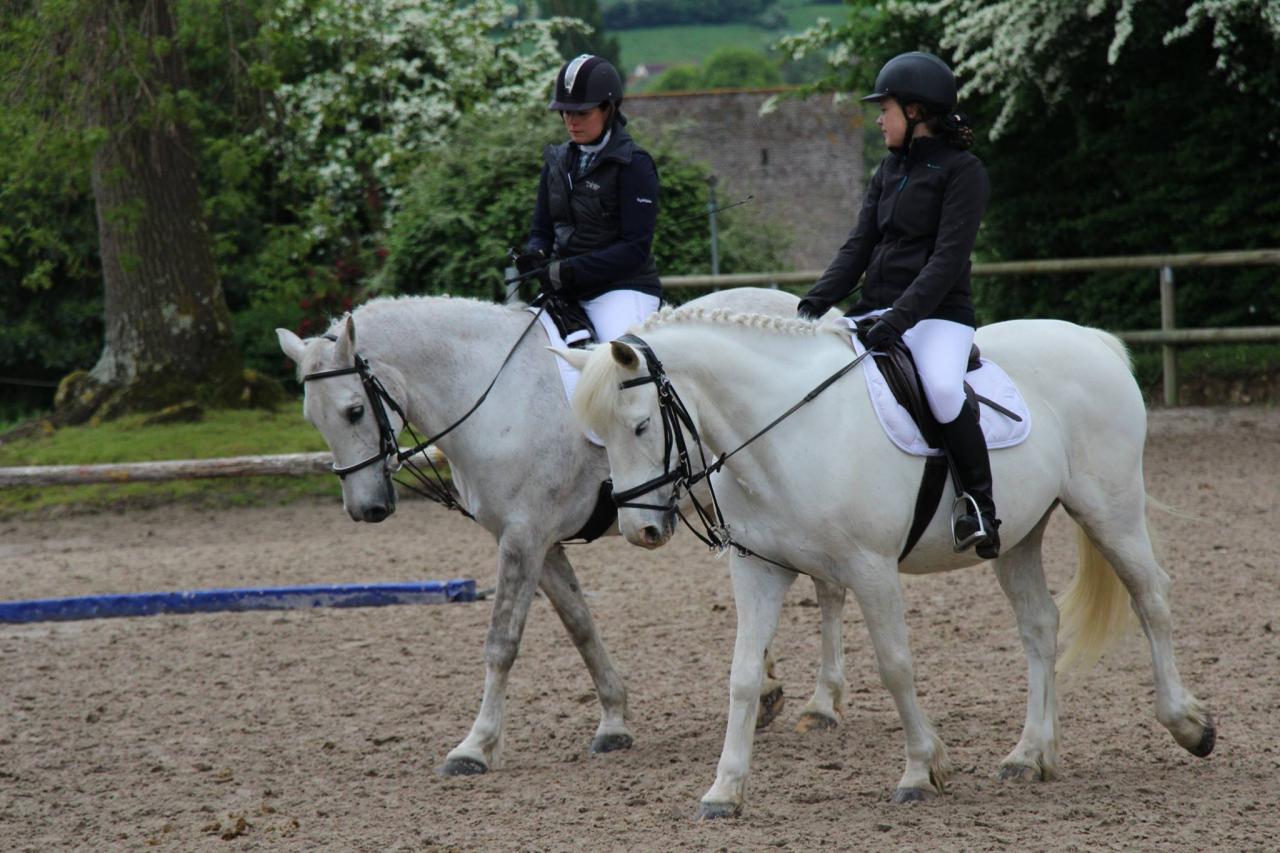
[724,316]
[598,391]
[376,310]
[386,323]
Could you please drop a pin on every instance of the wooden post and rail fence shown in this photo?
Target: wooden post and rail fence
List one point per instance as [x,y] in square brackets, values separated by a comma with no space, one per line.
[1168,337]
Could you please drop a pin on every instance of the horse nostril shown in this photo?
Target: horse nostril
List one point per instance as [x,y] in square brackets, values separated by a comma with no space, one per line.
[376,514]
[652,534]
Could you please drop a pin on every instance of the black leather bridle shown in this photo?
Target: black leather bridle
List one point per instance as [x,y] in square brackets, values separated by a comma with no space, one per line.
[676,420]
[431,486]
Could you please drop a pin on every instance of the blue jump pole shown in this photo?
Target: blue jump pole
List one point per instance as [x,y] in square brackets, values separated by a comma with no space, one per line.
[217,600]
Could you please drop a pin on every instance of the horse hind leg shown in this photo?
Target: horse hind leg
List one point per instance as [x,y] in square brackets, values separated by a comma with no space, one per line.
[1021,575]
[1117,529]
[520,560]
[825,708]
[561,586]
[772,699]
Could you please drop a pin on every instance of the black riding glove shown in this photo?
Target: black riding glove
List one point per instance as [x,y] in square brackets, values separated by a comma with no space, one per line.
[882,334]
[530,261]
[555,278]
[805,311]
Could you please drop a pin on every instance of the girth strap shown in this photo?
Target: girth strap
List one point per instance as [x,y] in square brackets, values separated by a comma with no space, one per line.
[602,517]
[927,500]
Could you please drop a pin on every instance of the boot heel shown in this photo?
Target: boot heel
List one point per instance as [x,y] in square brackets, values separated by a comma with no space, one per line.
[989,548]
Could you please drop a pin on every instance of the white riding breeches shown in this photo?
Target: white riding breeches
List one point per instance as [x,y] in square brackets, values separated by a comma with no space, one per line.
[615,311]
[940,349]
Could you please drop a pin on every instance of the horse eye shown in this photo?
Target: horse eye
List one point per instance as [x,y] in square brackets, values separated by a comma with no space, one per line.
[355,413]
[642,426]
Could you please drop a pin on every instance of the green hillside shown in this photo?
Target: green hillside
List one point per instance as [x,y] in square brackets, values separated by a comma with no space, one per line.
[693,43]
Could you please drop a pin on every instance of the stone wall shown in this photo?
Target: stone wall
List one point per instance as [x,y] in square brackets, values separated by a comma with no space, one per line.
[802,161]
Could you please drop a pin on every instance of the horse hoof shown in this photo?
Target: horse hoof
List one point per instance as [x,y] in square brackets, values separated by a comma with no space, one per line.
[913,795]
[811,721]
[718,811]
[610,743]
[770,707]
[462,767]
[1207,741]
[1020,773]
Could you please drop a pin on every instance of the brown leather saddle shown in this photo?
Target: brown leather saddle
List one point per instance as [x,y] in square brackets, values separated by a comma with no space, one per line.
[570,318]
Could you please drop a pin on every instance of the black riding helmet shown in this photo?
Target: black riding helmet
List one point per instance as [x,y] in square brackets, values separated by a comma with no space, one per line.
[585,82]
[917,77]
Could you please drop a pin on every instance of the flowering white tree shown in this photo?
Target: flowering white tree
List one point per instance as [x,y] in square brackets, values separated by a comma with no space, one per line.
[1108,127]
[1011,48]
[384,82]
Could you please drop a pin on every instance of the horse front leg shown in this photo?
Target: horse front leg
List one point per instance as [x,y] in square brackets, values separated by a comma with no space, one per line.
[824,708]
[879,593]
[1021,574]
[758,591]
[520,559]
[561,586]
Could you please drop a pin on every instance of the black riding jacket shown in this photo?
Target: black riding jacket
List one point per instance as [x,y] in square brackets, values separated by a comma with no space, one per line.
[600,221]
[915,231]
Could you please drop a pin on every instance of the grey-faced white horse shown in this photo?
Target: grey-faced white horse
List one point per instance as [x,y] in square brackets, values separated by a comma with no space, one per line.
[826,493]
[522,467]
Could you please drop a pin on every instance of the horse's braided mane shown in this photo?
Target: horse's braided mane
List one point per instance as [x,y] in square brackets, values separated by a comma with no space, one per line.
[598,391]
[724,316]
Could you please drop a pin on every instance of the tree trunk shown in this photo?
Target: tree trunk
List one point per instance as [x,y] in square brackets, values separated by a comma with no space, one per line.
[167,326]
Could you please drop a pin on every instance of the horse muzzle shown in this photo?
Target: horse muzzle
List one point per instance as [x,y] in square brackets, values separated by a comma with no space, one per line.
[376,509]
[653,535]
[377,512]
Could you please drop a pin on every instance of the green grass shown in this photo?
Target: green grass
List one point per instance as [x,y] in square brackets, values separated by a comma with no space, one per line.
[693,43]
[220,433]
[803,16]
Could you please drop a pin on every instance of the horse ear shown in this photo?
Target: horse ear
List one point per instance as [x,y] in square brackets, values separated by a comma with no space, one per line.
[624,355]
[291,344]
[344,349]
[575,358]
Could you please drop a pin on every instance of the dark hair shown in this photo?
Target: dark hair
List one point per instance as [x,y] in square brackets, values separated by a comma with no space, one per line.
[953,128]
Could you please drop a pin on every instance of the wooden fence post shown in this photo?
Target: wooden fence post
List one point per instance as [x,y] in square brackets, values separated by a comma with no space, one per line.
[1168,351]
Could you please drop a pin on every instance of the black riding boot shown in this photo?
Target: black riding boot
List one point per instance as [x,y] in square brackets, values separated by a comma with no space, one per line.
[968,449]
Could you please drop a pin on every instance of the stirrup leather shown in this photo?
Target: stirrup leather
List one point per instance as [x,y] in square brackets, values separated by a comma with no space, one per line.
[964,505]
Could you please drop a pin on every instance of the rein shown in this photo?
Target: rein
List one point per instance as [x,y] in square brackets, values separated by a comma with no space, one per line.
[431,487]
[675,414]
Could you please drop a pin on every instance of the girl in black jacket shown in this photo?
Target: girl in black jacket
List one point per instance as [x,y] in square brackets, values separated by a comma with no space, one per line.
[914,234]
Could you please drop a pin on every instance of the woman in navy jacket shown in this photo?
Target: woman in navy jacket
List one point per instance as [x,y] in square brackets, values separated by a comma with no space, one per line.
[912,241]
[597,205]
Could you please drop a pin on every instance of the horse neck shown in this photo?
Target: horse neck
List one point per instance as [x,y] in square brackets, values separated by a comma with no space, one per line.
[739,379]
[446,351]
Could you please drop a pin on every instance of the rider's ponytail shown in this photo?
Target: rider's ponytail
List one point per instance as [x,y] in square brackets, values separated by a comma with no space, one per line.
[954,129]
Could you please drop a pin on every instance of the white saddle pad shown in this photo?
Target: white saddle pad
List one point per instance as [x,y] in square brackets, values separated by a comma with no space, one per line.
[987,381]
[568,373]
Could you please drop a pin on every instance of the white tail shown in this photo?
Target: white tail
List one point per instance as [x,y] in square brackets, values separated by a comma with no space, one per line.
[1094,609]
